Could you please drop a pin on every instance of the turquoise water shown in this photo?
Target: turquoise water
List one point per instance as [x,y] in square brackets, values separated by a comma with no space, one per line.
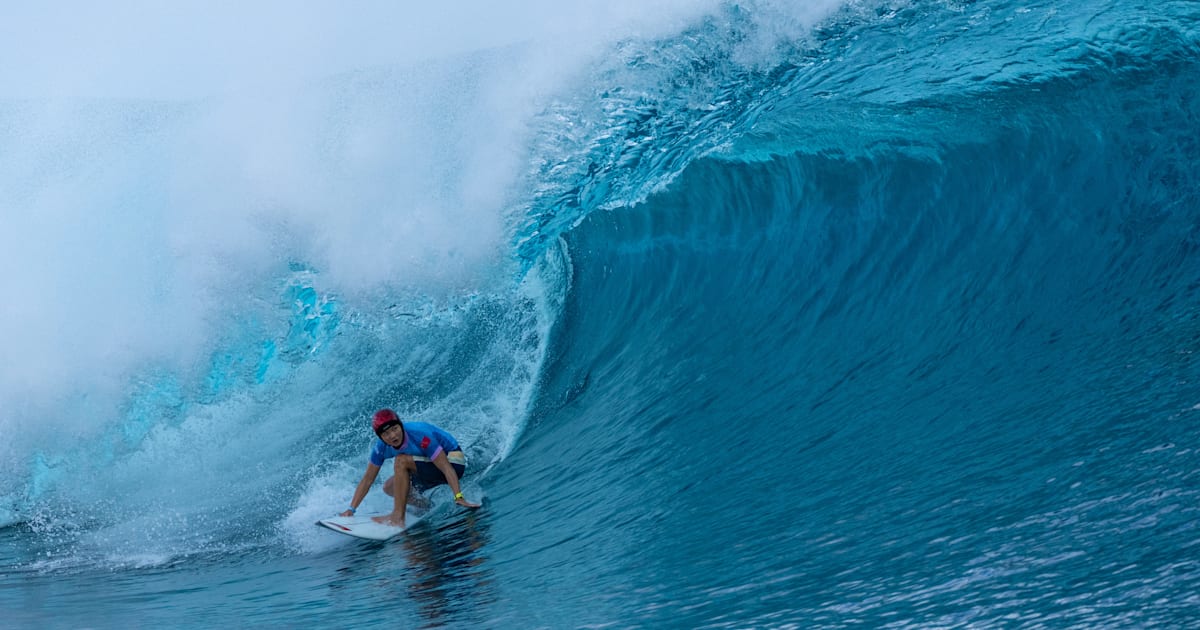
[877,314]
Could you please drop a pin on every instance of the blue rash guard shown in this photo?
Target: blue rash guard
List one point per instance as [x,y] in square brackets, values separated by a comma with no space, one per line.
[421,440]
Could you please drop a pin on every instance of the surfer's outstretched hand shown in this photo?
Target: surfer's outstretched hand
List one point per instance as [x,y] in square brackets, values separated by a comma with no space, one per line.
[467,504]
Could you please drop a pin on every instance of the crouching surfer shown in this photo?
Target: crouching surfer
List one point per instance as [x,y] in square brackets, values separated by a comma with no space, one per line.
[423,456]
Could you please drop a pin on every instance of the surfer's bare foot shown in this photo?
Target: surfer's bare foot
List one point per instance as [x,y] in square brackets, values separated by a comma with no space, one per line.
[390,519]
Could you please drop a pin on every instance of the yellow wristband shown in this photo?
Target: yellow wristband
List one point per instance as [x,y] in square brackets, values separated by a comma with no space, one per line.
[458,496]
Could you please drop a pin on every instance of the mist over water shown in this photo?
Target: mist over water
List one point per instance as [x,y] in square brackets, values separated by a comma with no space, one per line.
[159,183]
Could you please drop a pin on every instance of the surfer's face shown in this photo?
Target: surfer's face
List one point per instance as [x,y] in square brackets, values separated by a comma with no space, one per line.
[393,436]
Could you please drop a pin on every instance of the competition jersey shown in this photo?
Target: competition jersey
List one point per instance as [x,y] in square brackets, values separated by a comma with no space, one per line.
[421,439]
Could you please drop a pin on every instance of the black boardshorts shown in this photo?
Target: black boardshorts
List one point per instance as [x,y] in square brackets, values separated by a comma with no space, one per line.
[428,476]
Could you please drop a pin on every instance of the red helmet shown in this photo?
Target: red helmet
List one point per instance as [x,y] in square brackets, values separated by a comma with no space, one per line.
[384,418]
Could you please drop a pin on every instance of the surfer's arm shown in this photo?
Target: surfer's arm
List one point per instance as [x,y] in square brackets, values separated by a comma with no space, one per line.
[443,465]
[364,485]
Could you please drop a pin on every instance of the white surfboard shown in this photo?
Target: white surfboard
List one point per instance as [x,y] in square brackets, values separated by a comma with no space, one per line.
[363,526]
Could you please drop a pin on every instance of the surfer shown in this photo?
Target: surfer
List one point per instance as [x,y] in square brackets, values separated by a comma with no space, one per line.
[424,456]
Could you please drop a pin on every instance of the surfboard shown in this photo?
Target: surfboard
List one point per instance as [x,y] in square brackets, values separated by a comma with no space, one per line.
[362,526]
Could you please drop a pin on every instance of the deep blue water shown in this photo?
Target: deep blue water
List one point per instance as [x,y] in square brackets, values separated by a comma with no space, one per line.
[892,322]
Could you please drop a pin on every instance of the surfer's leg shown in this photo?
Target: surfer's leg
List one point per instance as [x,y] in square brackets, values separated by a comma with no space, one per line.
[405,471]
[414,497]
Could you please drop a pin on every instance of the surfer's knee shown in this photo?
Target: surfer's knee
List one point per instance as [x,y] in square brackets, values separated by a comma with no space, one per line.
[405,464]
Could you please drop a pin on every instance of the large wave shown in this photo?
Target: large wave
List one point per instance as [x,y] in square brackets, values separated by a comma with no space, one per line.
[222,265]
[216,287]
[913,348]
